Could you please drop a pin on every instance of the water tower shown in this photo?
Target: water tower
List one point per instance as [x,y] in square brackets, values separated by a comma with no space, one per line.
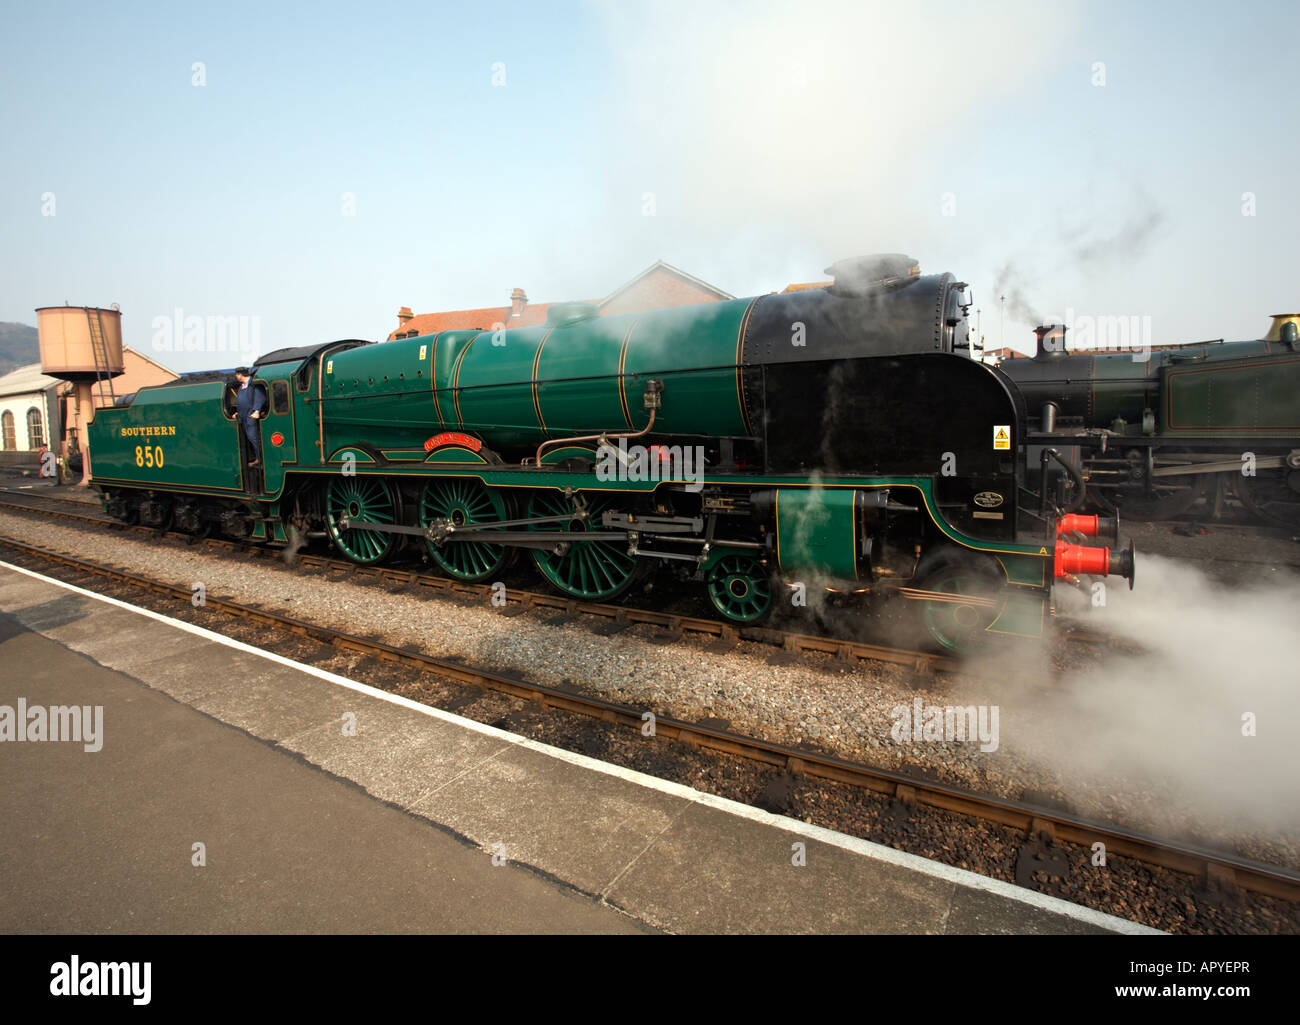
[82,344]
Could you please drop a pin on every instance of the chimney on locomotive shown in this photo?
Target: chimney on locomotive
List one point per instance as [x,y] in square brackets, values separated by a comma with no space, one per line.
[1051,341]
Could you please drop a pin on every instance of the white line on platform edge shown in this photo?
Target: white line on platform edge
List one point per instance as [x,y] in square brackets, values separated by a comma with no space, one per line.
[856,845]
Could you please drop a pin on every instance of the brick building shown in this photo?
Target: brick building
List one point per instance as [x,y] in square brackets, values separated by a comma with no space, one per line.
[658,285]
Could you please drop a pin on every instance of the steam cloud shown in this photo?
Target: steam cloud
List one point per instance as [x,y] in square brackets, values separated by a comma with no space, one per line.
[1170,722]
[297,539]
[1086,249]
[776,137]
[1126,243]
[1011,283]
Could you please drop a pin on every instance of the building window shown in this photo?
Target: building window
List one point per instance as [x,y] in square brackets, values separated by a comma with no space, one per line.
[35,429]
[11,442]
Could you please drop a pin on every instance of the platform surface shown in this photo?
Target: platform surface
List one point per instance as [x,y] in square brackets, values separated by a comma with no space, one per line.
[420,822]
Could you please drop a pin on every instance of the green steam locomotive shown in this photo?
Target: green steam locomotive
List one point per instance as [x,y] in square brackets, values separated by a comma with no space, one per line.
[835,439]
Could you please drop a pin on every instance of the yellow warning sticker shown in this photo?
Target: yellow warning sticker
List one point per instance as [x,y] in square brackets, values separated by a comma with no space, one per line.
[424,351]
[1002,437]
[329,366]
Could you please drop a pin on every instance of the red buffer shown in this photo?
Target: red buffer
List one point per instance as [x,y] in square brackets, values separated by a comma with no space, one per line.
[1090,526]
[1074,560]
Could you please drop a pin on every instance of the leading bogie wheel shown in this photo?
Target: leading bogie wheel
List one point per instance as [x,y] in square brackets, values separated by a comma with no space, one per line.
[740,588]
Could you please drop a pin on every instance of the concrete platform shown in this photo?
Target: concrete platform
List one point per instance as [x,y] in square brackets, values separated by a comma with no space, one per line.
[309,829]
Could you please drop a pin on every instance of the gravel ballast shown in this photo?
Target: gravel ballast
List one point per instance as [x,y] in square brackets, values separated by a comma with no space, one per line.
[1048,718]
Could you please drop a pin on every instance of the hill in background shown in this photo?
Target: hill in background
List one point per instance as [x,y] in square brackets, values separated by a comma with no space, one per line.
[18,346]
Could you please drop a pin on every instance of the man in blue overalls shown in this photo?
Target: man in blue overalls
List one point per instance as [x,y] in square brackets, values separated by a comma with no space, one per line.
[250,407]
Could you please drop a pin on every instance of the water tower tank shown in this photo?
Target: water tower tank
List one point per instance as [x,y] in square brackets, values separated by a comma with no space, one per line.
[80,343]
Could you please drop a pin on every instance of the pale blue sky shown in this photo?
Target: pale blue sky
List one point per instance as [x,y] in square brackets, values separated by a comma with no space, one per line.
[774,138]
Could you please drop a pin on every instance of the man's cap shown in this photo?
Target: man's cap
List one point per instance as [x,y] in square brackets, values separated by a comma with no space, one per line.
[243,371]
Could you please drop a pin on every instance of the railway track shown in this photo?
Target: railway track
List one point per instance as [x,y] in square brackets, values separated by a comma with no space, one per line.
[1214,868]
[616,617]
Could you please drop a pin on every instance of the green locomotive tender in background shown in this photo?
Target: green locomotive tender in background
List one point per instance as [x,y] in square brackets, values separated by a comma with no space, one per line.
[1181,424]
[830,437]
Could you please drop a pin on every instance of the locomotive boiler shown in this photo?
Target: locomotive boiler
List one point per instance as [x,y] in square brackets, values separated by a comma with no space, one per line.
[834,439]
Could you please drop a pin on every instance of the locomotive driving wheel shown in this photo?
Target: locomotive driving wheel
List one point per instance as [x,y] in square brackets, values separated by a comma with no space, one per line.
[460,502]
[968,596]
[361,500]
[1272,496]
[740,588]
[591,570]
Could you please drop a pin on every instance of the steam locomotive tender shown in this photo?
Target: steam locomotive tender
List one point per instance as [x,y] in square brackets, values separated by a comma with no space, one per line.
[831,438]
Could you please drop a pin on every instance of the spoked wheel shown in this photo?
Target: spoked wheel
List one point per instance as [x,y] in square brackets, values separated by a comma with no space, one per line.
[968,594]
[591,570]
[1272,496]
[362,500]
[740,588]
[462,502]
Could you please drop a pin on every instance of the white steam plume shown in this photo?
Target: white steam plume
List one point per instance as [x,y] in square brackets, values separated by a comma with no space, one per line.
[809,126]
[1172,723]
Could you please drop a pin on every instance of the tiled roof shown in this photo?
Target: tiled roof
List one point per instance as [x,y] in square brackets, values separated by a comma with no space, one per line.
[711,291]
[658,285]
[807,286]
[147,359]
[471,320]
